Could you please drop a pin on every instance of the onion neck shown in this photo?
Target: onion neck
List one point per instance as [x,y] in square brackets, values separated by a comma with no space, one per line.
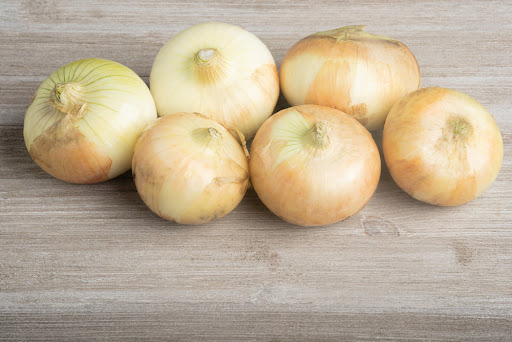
[459,127]
[65,97]
[455,134]
[213,133]
[318,135]
[210,65]
[349,33]
[345,32]
[206,136]
[206,56]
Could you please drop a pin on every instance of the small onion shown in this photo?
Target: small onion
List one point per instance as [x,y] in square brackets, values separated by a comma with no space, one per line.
[313,165]
[351,70]
[190,169]
[84,120]
[442,146]
[220,70]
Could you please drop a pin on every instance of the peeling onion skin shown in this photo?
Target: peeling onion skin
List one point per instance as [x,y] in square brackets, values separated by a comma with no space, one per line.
[359,73]
[189,169]
[83,121]
[313,165]
[441,146]
[220,70]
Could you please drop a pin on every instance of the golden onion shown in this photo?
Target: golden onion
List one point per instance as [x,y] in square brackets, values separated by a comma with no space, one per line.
[441,146]
[220,70]
[84,120]
[313,165]
[349,69]
[189,169]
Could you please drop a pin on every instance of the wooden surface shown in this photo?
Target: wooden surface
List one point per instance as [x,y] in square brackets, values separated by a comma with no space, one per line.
[93,263]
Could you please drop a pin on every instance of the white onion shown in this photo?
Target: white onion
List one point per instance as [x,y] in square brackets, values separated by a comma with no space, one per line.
[220,70]
[314,165]
[84,119]
[189,169]
[441,146]
[351,70]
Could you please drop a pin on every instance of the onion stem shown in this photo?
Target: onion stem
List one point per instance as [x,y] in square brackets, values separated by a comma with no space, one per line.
[319,137]
[213,132]
[64,97]
[205,55]
[211,66]
[204,136]
[460,127]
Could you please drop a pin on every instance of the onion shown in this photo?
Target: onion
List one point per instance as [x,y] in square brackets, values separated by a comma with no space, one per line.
[220,70]
[189,169]
[442,146]
[351,70]
[84,119]
[314,165]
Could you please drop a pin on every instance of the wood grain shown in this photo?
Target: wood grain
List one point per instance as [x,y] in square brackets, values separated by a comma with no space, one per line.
[93,263]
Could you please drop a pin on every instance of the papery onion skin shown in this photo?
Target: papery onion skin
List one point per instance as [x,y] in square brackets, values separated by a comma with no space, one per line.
[220,70]
[313,165]
[441,146]
[351,70]
[84,120]
[190,169]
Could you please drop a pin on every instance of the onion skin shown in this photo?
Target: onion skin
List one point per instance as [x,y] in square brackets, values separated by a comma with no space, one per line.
[313,165]
[441,146]
[359,73]
[84,120]
[220,70]
[189,169]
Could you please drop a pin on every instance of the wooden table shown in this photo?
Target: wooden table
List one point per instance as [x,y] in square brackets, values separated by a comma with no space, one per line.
[93,263]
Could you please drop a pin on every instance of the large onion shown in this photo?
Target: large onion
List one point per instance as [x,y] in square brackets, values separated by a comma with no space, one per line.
[314,165]
[84,119]
[441,146]
[189,169]
[352,70]
[220,70]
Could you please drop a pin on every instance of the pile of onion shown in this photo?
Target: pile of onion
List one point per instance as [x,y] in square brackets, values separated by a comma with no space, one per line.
[313,165]
[190,169]
[441,146]
[219,70]
[349,69]
[84,120]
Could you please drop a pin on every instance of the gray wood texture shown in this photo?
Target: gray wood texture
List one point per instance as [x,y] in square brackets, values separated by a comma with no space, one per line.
[93,263]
